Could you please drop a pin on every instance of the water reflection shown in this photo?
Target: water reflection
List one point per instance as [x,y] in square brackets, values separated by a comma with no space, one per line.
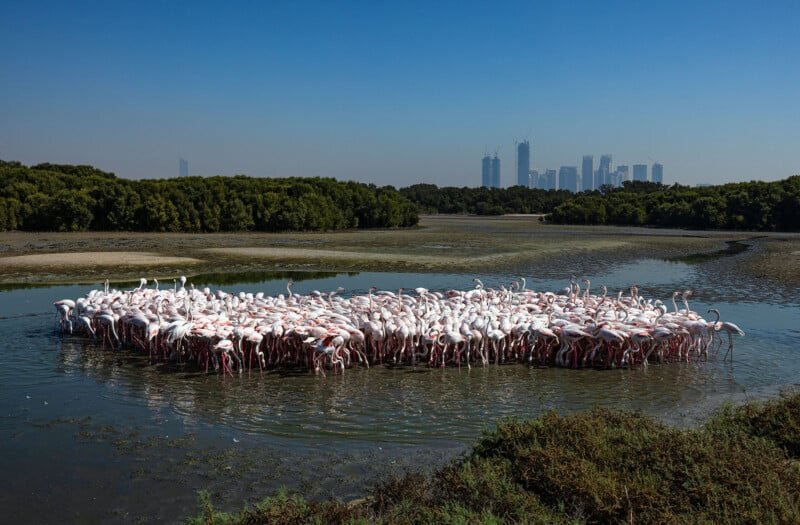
[150,422]
[222,278]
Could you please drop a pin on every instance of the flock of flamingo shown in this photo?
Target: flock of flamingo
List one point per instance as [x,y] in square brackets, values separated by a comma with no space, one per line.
[326,331]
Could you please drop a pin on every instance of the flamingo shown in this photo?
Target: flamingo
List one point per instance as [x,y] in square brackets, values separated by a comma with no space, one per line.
[322,331]
[730,328]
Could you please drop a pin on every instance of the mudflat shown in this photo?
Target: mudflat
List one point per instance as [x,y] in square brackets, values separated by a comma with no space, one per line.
[73,259]
[439,244]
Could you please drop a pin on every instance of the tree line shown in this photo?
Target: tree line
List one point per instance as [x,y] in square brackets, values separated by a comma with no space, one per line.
[431,199]
[53,197]
[755,205]
[759,206]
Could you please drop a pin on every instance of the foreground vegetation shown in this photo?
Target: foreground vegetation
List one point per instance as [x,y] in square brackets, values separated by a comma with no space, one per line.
[51,197]
[756,206]
[598,466]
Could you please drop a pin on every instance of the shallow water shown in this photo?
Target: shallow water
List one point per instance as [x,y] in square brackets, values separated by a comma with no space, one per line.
[97,435]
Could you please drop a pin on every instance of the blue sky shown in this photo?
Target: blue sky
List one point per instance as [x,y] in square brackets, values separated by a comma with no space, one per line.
[402,92]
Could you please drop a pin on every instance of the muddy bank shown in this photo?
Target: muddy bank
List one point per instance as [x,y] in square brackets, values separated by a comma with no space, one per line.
[88,259]
[439,244]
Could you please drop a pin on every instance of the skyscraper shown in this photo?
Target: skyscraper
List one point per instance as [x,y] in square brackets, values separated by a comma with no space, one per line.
[523,163]
[533,179]
[486,171]
[495,172]
[640,172]
[568,178]
[183,168]
[587,173]
[604,172]
[657,173]
[622,174]
[547,180]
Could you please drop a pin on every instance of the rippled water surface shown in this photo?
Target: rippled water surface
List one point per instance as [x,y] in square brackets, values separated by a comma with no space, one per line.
[104,436]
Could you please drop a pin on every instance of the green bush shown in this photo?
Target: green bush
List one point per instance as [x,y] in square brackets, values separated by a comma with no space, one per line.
[598,466]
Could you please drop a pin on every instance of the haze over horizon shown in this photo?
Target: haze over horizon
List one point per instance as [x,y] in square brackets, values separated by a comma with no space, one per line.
[400,94]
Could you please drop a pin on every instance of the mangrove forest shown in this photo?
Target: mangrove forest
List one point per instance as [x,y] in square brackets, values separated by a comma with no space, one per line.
[53,197]
[755,205]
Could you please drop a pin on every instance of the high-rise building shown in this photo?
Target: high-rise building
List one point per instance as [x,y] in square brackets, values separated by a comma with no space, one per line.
[622,174]
[640,172]
[605,162]
[183,168]
[587,173]
[548,180]
[495,171]
[604,172]
[533,179]
[486,171]
[657,173]
[568,178]
[523,163]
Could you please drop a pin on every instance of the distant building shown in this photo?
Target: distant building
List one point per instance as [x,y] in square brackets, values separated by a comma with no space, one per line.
[604,172]
[587,173]
[495,171]
[640,172]
[568,178]
[622,174]
[605,162]
[486,171]
[523,163]
[657,173]
[183,168]
[548,180]
[533,179]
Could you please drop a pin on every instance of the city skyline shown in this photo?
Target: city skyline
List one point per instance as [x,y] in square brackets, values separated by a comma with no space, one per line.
[401,93]
[574,178]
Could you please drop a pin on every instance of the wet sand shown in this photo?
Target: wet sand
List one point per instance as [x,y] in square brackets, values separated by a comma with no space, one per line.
[83,259]
[439,244]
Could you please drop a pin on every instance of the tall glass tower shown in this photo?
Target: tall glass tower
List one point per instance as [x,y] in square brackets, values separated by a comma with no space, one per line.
[587,173]
[486,171]
[640,172]
[523,163]
[495,171]
[657,173]
[604,172]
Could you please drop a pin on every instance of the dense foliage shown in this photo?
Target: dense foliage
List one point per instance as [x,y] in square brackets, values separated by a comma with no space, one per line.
[593,467]
[484,201]
[77,198]
[761,206]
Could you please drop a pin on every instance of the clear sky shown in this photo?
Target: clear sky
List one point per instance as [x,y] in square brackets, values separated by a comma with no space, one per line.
[402,92]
